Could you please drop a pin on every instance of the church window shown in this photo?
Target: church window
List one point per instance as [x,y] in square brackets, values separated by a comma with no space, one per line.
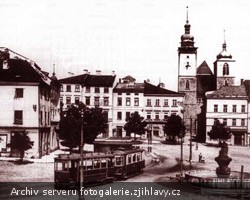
[225,69]
[187,85]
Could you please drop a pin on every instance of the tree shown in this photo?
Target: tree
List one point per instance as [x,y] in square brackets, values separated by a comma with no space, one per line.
[135,124]
[220,131]
[21,142]
[94,122]
[174,128]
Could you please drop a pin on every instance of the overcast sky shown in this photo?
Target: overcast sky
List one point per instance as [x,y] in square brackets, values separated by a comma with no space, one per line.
[135,37]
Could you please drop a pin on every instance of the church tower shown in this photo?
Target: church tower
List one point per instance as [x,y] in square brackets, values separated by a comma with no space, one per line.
[187,81]
[223,67]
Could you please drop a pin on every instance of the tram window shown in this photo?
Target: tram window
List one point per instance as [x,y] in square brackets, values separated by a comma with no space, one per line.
[62,166]
[96,164]
[88,164]
[129,159]
[118,161]
[103,163]
[138,157]
[134,158]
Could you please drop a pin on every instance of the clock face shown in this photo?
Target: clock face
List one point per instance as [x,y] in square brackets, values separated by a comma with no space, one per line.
[187,65]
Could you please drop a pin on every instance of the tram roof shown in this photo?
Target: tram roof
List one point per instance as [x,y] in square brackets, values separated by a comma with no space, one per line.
[85,156]
[129,151]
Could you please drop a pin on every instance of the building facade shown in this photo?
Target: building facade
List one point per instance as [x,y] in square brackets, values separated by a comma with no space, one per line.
[92,90]
[27,105]
[159,104]
[229,104]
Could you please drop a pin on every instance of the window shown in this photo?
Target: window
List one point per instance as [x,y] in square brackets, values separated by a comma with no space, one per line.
[136,93]
[127,115]
[157,102]
[234,108]
[119,101]
[118,161]
[224,108]
[77,88]
[127,101]
[68,88]
[174,103]
[215,108]
[68,100]
[18,117]
[243,108]
[106,114]
[215,120]
[187,85]
[119,93]
[77,99]
[41,117]
[106,101]
[87,89]
[97,90]
[165,116]
[106,90]
[119,115]
[97,102]
[127,93]
[225,69]
[148,115]
[242,122]
[234,122]
[148,102]
[61,88]
[87,101]
[157,116]
[136,101]
[166,102]
[19,93]
[225,122]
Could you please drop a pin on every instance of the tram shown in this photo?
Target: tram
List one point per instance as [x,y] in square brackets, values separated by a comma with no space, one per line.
[97,167]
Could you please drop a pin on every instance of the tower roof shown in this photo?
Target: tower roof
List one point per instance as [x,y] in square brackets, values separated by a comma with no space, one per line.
[204,69]
[187,40]
[224,53]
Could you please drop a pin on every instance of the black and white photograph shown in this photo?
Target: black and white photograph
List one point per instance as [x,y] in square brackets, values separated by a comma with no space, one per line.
[124,99]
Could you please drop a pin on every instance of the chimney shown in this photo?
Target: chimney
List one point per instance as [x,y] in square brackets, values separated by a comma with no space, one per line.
[113,73]
[241,81]
[85,71]
[98,72]
[120,80]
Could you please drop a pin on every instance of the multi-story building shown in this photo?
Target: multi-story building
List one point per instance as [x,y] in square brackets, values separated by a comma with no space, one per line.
[92,90]
[128,97]
[229,104]
[159,104]
[29,99]
[154,103]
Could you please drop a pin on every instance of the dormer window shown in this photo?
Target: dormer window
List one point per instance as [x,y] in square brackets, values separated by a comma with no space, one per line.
[5,64]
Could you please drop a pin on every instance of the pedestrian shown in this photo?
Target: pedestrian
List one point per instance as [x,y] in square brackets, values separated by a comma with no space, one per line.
[200,157]
[196,148]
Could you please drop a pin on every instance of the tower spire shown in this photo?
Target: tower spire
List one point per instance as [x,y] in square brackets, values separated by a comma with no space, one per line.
[224,45]
[187,15]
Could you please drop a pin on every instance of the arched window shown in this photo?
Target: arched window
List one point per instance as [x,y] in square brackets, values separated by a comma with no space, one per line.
[187,85]
[225,83]
[225,69]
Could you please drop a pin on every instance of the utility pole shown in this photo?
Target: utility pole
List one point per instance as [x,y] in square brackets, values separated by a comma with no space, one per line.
[181,158]
[190,155]
[81,165]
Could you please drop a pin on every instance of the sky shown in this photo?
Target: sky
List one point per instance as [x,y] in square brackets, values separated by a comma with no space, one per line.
[132,37]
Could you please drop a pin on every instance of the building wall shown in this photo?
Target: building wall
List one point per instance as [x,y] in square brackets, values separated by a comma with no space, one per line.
[229,115]
[125,108]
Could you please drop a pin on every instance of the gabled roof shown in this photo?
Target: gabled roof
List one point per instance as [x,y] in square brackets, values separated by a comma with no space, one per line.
[204,69]
[99,80]
[21,71]
[150,89]
[126,87]
[129,78]
[229,92]
[90,80]
[74,79]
